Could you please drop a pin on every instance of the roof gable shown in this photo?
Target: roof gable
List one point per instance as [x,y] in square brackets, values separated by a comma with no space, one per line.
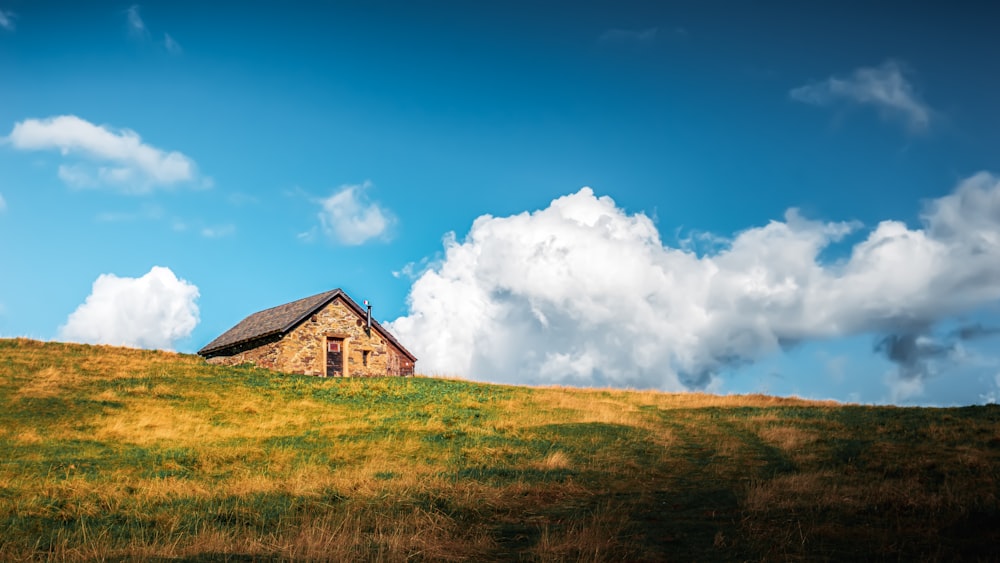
[283,318]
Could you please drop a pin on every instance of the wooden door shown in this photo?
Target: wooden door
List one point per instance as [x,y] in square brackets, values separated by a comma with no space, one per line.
[334,357]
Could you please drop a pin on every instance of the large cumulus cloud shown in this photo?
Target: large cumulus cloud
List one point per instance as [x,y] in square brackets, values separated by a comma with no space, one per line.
[582,292]
[152,311]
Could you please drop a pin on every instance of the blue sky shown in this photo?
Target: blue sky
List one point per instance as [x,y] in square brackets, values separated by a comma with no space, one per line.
[167,168]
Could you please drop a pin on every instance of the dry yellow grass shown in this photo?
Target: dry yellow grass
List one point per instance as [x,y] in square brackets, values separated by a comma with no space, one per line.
[788,438]
[595,537]
[49,382]
[555,460]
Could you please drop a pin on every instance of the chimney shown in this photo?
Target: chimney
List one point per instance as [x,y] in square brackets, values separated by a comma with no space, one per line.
[368,328]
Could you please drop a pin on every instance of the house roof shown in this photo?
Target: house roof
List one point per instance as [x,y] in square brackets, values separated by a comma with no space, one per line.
[283,318]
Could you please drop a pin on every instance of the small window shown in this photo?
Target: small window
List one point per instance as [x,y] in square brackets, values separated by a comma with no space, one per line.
[333,346]
[364,358]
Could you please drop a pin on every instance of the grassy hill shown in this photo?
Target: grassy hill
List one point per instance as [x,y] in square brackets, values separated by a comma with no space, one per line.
[111,453]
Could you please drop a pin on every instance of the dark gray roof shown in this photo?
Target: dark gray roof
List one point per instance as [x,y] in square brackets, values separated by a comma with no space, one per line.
[283,318]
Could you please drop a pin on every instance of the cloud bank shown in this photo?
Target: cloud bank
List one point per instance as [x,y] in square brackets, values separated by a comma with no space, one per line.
[349,218]
[584,293]
[152,311]
[103,156]
[884,88]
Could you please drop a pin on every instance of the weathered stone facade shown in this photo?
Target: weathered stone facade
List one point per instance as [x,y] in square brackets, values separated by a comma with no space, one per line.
[304,348]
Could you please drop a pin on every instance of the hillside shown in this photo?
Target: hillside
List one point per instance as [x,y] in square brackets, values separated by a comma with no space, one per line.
[121,453]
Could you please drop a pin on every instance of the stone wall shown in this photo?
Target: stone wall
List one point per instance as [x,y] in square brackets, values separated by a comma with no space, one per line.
[303,349]
[265,356]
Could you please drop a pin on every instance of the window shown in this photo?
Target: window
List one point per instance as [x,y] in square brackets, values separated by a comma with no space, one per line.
[333,346]
[364,358]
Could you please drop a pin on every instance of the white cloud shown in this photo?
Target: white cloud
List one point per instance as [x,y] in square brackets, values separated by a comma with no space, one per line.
[348,217]
[152,311]
[3,204]
[171,45]
[138,30]
[7,20]
[136,27]
[584,293]
[105,156]
[240,199]
[884,88]
[218,231]
[902,389]
[991,396]
[307,236]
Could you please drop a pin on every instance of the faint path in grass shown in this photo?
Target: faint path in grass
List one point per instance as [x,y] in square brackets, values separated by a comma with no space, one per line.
[696,508]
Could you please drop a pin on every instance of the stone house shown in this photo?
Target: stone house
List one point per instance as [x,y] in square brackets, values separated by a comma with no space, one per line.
[328,335]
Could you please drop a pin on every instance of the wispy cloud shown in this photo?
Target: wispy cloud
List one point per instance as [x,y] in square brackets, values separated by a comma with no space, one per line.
[308,236]
[138,30]
[641,37]
[151,213]
[884,88]
[3,204]
[136,27]
[218,231]
[348,217]
[103,156]
[241,198]
[146,212]
[7,20]
[990,397]
[171,45]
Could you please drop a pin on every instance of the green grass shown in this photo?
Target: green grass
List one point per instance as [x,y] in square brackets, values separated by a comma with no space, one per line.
[111,454]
